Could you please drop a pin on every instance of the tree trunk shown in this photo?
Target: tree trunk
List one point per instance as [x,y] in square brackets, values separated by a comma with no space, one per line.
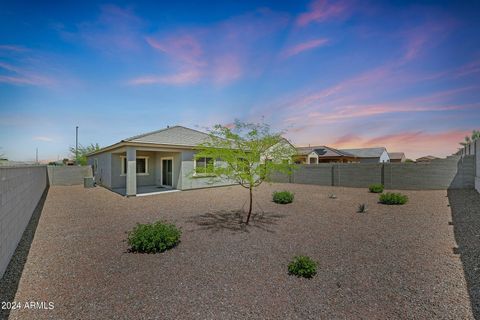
[250,207]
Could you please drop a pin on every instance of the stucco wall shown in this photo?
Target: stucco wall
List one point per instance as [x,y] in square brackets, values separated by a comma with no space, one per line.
[103,174]
[119,180]
[21,188]
[454,172]
[188,181]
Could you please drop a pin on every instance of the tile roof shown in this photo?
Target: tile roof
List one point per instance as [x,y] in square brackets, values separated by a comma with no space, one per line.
[176,135]
[323,151]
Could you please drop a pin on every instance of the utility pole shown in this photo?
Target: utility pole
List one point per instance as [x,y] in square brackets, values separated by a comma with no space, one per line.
[76,145]
[36,155]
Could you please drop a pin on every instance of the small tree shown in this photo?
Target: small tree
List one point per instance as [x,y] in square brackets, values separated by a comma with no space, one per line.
[247,154]
[475,136]
[81,158]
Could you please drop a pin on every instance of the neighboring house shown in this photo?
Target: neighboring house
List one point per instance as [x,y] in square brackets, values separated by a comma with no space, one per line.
[369,155]
[426,159]
[154,161]
[285,146]
[322,154]
[397,157]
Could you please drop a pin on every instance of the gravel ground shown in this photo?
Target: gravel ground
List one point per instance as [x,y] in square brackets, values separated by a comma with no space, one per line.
[392,262]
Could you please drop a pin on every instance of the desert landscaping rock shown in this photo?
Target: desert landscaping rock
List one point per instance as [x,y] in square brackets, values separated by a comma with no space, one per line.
[396,262]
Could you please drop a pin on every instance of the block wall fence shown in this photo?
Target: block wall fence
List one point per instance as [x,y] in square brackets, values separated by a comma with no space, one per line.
[455,172]
[21,189]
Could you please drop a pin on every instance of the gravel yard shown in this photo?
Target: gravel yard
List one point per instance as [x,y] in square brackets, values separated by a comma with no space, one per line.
[393,262]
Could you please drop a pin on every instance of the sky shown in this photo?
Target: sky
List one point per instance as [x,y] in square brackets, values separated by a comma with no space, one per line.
[346,74]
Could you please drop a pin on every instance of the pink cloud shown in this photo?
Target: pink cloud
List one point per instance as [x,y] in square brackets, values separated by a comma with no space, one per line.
[180,78]
[23,76]
[322,10]
[220,53]
[304,46]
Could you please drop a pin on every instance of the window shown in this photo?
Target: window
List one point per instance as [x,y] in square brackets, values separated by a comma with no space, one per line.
[142,165]
[203,165]
[312,160]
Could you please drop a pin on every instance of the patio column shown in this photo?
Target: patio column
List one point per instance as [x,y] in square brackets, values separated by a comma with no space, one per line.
[131,172]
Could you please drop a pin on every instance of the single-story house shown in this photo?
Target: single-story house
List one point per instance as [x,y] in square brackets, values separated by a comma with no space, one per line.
[369,155]
[155,161]
[322,154]
[397,157]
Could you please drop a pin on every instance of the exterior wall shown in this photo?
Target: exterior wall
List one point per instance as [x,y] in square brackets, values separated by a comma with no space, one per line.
[451,173]
[384,157]
[177,167]
[21,188]
[119,180]
[103,174]
[188,181]
[67,175]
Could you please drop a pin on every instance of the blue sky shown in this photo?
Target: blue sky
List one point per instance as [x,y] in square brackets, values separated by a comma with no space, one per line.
[399,74]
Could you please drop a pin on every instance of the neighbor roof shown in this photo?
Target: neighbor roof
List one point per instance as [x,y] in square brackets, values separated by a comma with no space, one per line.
[366,152]
[176,135]
[323,151]
[396,155]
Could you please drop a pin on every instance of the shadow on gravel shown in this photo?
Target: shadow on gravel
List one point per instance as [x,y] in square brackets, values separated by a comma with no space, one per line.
[10,280]
[234,221]
[465,206]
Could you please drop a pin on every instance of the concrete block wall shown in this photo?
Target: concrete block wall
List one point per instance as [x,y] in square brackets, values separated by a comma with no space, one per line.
[357,174]
[455,172]
[477,165]
[21,188]
[68,175]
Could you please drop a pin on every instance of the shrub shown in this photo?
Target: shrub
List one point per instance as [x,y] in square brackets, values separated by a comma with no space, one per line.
[154,237]
[302,266]
[362,208]
[376,188]
[332,196]
[283,197]
[393,198]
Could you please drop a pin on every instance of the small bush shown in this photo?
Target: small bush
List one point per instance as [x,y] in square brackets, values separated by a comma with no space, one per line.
[302,266]
[283,197]
[376,188]
[393,198]
[362,208]
[154,237]
[332,196]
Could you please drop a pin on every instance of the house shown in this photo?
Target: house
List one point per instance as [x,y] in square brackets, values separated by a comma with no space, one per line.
[369,155]
[426,159]
[322,154]
[152,162]
[397,157]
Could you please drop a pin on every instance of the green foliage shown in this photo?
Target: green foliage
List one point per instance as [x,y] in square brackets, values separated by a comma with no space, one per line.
[154,237]
[81,159]
[247,153]
[475,136]
[376,188]
[302,266]
[283,197]
[393,198]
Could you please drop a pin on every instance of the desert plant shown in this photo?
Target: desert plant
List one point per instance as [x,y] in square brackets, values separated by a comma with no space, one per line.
[249,153]
[302,266]
[332,196]
[283,197]
[393,198]
[153,237]
[376,188]
[362,208]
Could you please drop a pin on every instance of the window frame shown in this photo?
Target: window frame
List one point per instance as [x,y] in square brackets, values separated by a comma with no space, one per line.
[204,174]
[123,171]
